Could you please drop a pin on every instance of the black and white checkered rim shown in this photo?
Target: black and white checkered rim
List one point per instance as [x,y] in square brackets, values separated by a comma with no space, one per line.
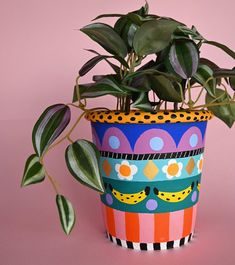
[151,246]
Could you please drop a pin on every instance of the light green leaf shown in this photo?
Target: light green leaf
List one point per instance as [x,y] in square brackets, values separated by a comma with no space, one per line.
[142,102]
[107,38]
[153,36]
[66,213]
[33,172]
[82,158]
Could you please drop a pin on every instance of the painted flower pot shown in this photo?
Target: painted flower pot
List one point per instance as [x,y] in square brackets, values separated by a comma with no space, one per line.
[151,165]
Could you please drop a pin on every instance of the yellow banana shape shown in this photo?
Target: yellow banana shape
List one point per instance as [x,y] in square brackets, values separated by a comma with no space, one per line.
[174,196]
[198,186]
[132,198]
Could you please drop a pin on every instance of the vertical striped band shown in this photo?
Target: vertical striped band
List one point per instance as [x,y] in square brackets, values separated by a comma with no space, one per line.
[149,228]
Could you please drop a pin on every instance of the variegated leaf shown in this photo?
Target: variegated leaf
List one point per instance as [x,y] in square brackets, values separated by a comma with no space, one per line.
[33,172]
[49,126]
[82,158]
[183,58]
[66,213]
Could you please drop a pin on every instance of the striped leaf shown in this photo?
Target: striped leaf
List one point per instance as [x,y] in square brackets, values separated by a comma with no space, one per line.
[141,101]
[82,158]
[183,58]
[204,72]
[154,36]
[33,172]
[107,38]
[66,213]
[49,126]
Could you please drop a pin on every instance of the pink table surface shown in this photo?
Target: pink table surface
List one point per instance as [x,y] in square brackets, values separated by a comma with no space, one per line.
[29,228]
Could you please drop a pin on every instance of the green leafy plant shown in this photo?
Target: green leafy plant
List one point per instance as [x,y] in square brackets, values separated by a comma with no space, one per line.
[169,80]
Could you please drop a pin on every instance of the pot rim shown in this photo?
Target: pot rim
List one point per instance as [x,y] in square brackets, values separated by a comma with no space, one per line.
[145,117]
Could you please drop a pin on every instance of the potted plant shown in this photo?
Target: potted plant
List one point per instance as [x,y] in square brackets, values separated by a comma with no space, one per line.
[147,155]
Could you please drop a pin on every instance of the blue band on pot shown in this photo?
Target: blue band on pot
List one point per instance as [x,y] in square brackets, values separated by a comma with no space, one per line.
[148,138]
[152,197]
[152,170]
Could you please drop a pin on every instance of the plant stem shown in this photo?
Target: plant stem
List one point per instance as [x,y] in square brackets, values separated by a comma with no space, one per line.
[190,102]
[213,104]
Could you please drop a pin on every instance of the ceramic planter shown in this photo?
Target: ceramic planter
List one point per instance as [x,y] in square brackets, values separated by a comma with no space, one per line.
[151,165]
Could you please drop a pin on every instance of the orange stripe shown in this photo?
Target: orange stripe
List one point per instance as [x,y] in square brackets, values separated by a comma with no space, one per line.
[188,217]
[110,221]
[161,227]
[132,227]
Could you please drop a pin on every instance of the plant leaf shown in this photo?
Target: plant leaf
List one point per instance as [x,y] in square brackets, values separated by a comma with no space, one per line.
[220,72]
[164,88]
[82,158]
[141,101]
[183,58]
[222,47]
[203,74]
[33,171]
[232,81]
[226,113]
[66,213]
[153,36]
[49,126]
[192,32]
[107,38]
[107,15]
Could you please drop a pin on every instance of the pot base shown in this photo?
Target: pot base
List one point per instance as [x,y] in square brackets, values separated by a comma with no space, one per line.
[151,246]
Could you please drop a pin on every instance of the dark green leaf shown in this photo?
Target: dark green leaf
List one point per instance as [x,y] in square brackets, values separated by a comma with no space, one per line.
[82,158]
[220,72]
[203,74]
[192,32]
[232,81]
[107,38]
[141,102]
[183,58]
[33,171]
[223,47]
[226,113]
[107,15]
[153,36]
[164,88]
[66,213]
[49,126]
[209,63]
[91,63]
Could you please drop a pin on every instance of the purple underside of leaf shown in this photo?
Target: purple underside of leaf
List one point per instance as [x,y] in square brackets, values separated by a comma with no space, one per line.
[175,63]
[43,124]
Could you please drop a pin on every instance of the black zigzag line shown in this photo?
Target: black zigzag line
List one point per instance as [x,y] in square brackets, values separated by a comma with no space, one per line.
[152,156]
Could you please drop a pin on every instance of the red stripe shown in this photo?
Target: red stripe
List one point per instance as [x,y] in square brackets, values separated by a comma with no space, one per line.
[161,227]
[188,218]
[132,227]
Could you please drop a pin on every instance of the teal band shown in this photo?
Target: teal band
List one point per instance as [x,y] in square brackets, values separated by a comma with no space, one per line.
[151,170]
[150,197]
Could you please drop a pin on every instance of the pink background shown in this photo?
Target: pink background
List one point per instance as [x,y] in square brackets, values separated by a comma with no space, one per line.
[41,52]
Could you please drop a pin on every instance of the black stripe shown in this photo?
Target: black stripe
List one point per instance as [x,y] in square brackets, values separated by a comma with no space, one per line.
[151,156]
[182,241]
[143,246]
[111,238]
[156,246]
[118,242]
[190,237]
[129,244]
[170,244]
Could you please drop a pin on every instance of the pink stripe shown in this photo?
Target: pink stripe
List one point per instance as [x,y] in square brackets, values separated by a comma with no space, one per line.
[194,217]
[120,225]
[146,227]
[104,215]
[176,225]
